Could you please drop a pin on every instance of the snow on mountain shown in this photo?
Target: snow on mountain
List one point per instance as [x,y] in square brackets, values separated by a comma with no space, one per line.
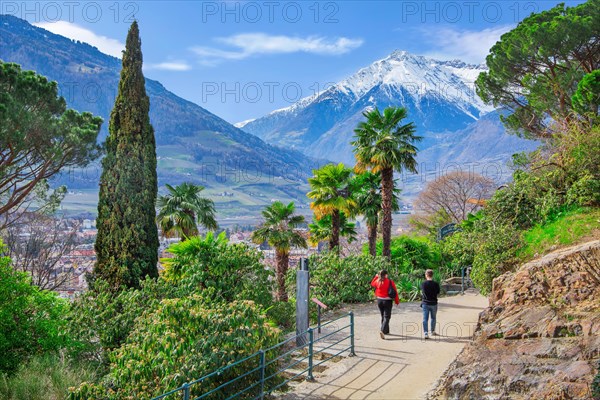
[417,75]
[439,95]
[241,124]
[420,76]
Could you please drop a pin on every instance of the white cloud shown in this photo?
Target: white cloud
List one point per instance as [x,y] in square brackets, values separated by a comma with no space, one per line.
[247,44]
[169,66]
[469,46]
[73,31]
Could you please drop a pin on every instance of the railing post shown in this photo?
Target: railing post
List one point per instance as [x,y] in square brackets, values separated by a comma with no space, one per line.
[186,391]
[352,353]
[310,355]
[262,374]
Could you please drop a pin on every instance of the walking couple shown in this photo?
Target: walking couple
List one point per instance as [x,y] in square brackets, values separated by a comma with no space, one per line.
[386,293]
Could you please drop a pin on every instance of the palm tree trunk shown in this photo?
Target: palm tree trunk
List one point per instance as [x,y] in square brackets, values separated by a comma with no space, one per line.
[188,232]
[281,271]
[387,192]
[372,239]
[335,231]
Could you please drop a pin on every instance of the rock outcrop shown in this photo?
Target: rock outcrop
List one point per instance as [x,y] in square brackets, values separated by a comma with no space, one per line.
[540,336]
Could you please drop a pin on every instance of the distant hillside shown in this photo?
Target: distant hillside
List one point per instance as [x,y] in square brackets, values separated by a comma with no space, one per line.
[193,144]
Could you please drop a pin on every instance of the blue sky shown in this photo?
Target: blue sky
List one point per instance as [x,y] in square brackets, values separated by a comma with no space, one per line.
[242,59]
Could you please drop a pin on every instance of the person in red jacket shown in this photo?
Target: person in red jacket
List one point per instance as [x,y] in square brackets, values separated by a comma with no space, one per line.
[382,284]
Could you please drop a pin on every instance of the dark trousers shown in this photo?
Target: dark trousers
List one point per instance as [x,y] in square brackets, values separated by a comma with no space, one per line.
[385,307]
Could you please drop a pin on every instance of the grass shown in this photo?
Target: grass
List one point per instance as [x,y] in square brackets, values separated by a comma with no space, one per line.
[46,377]
[566,230]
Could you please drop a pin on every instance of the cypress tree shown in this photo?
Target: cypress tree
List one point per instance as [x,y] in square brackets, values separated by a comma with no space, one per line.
[127,241]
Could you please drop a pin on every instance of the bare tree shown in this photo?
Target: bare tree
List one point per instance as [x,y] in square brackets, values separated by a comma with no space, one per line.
[450,198]
[36,243]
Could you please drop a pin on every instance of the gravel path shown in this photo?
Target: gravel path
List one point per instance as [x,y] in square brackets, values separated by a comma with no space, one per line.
[404,365]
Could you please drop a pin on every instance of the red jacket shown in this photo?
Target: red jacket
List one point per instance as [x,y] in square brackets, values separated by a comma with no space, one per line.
[381,288]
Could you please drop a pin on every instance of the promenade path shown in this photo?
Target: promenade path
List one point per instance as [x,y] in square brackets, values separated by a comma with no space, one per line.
[404,365]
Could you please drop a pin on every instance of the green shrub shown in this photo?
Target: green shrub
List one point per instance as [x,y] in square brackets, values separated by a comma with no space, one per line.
[414,253]
[458,250]
[31,320]
[495,253]
[515,204]
[283,314]
[585,191]
[335,280]
[235,271]
[100,320]
[184,339]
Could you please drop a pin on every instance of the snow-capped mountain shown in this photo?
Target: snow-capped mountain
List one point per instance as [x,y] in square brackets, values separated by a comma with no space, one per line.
[439,96]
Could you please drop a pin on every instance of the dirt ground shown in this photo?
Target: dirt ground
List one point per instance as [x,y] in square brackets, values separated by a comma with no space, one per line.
[404,365]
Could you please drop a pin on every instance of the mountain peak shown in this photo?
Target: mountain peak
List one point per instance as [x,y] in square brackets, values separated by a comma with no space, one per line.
[418,76]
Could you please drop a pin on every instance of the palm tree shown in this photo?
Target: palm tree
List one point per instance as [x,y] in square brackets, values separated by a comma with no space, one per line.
[182,209]
[384,145]
[280,230]
[366,190]
[331,195]
[321,229]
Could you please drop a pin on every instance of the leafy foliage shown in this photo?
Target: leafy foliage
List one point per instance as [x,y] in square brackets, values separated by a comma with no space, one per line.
[182,209]
[39,137]
[330,192]
[535,68]
[414,254]
[321,229]
[211,306]
[585,191]
[587,97]
[31,320]
[516,204]
[100,321]
[127,241]
[233,271]
[495,253]
[336,280]
[182,339]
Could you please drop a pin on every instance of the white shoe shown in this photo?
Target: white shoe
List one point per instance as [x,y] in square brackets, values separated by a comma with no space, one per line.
[426,336]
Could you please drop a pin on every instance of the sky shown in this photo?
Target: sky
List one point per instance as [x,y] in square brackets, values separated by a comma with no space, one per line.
[243,59]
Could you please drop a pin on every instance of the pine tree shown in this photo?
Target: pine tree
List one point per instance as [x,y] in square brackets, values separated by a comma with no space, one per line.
[127,241]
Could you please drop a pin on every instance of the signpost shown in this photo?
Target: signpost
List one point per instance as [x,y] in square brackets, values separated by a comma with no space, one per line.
[447,230]
[302,292]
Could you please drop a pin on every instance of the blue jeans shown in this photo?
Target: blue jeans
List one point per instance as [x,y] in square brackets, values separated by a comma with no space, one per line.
[429,310]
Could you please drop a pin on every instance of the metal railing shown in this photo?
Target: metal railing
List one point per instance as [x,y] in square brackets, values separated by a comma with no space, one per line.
[268,371]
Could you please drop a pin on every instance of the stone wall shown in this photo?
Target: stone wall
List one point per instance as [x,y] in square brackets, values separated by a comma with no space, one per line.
[540,336]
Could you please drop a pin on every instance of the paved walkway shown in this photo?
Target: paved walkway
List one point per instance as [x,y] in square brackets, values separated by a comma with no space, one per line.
[404,366]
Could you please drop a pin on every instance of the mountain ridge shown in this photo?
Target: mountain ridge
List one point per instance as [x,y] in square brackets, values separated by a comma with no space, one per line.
[192,143]
[440,98]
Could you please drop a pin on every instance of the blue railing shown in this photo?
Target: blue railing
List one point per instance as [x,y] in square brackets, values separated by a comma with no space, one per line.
[269,365]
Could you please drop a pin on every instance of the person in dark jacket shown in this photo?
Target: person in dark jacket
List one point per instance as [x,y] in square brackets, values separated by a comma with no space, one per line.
[429,290]
[382,284]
